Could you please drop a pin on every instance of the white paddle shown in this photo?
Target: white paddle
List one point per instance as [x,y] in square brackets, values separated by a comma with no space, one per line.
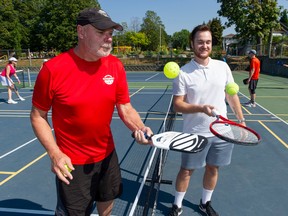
[177,141]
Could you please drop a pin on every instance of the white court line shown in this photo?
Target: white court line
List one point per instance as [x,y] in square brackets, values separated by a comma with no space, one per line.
[152,77]
[131,213]
[274,115]
[137,91]
[135,203]
[27,211]
[8,153]
[19,147]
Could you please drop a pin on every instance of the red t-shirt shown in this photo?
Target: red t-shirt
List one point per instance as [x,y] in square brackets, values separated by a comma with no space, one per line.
[83,96]
[12,70]
[255,63]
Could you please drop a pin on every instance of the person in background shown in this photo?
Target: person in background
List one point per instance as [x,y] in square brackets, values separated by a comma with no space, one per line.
[254,73]
[6,80]
[83,86]
[200,88]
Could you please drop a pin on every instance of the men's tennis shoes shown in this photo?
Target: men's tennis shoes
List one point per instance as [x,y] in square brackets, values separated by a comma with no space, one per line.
[207,209]
[175,211]
[250,104]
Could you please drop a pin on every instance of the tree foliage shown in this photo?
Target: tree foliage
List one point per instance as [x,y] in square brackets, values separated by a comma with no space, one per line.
[45,25]
[284,19]
[155,31]
[217,31]
[10,31]
[56,24]
[253,19]
[136,39]
[40,24]
[180,40]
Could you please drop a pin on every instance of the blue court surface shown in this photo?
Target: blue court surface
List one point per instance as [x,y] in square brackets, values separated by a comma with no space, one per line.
[253,185]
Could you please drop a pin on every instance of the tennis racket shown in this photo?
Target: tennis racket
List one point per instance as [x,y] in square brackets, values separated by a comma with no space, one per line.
[15,87]
[233,132]
[177,141]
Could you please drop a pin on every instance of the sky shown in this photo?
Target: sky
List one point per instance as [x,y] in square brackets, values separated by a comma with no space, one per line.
[175,15]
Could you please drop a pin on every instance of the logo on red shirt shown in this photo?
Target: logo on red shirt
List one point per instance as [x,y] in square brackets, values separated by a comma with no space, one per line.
[108,79]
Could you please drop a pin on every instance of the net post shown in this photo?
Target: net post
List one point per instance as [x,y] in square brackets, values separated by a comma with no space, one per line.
[29,78]
[23,78]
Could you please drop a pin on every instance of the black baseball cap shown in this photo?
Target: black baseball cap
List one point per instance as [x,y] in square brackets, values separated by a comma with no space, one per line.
[97,18]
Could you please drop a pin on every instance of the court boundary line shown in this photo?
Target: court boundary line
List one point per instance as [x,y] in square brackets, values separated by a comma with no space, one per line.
[27,211]
[274,134]
[135,203]
[266,127]
[22,169]
[265,110]
[151,77]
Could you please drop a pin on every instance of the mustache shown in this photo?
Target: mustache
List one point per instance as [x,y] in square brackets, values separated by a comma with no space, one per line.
[107,46]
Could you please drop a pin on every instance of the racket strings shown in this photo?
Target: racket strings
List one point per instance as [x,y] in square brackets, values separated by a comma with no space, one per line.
[234,132]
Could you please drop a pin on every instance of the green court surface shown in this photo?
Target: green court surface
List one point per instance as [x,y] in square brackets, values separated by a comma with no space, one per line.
[271,92]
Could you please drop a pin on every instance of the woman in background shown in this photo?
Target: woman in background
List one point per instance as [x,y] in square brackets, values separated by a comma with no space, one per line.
[6,80]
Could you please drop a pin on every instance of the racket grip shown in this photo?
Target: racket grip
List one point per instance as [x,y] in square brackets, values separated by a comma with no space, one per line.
[215,113]
[145,134]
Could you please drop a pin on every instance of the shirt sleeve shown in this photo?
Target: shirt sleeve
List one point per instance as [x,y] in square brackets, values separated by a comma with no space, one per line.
[42,94]
[122,93]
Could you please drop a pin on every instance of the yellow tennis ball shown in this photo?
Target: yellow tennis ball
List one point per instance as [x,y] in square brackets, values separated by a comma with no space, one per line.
[171,70]
[232,88]
[66,166]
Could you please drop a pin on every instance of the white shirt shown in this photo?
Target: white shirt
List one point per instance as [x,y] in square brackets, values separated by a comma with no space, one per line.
[202,85]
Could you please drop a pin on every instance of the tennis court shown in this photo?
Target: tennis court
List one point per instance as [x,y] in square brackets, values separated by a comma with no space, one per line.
[253,185]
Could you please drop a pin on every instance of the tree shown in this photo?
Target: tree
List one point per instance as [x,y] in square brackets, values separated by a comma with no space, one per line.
[180,40]
[154,29]
[284,19]
[40,24]
[217,31]
[254,19]
[135,24]
[27,11]
[136,39]
[10,31]
[55,27]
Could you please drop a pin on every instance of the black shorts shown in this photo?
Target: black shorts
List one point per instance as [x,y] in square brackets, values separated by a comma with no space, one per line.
[99,181]
[253,85]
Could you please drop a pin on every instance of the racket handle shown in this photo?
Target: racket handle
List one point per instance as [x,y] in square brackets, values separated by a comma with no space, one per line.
[145,134]
[215,113]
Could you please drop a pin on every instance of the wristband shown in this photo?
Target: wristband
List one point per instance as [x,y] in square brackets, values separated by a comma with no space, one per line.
[241,120]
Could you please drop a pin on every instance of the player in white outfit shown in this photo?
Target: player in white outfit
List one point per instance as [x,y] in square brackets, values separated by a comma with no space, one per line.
[199,88]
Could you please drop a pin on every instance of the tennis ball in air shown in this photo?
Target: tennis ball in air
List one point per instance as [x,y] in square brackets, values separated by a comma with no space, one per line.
[171,70]
[232,88]
[66,166]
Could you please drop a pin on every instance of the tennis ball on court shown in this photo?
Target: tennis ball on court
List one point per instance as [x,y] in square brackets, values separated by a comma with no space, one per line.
[171,70]
[66,166]
[232,88]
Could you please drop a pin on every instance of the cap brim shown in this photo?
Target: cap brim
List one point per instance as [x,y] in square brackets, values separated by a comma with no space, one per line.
[107,25]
